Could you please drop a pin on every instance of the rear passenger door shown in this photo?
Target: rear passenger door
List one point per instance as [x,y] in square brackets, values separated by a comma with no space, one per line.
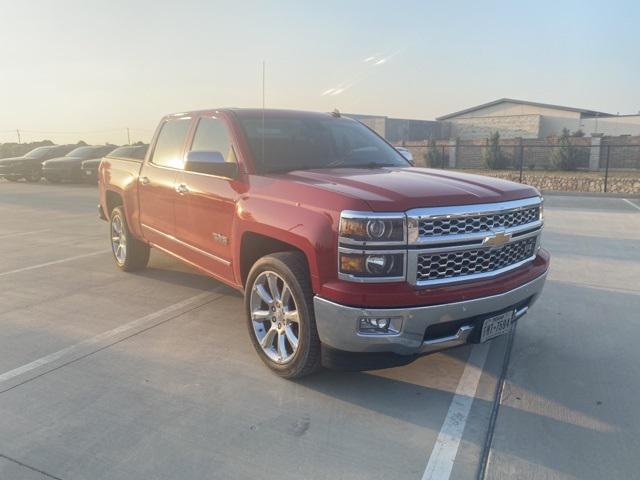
[205,207]
[156,183]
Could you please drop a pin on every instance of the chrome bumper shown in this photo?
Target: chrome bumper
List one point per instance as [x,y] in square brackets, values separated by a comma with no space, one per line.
[338,324]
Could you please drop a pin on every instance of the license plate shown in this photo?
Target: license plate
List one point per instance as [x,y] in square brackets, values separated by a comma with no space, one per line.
[496,326]
[88,172]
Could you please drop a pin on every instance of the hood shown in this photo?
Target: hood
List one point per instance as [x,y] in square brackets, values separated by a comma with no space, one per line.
[92,162]
[399,189]
[63,160]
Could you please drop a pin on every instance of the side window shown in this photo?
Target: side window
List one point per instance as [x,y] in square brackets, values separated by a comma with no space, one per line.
[211,136]
[168,150]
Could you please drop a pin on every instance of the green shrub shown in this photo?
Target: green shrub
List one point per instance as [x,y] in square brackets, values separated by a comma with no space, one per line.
[493,156]
[567,156]
[434,157]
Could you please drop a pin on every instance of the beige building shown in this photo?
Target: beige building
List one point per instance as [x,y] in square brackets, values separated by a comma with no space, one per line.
[523,119]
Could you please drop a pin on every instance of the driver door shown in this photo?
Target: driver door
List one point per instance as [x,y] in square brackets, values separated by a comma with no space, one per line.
[206,203]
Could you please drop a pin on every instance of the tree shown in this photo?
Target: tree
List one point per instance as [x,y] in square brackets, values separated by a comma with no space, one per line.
[567,156]
[493,156]
[434,157]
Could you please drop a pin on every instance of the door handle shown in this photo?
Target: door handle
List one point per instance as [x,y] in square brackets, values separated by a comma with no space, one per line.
[182,188]
[145,180]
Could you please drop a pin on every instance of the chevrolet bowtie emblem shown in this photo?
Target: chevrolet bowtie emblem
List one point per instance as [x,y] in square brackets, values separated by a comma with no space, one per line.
[496,239]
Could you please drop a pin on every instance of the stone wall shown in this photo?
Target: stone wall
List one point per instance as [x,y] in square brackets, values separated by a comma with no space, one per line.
[623,152]
[512,126]
[571,183]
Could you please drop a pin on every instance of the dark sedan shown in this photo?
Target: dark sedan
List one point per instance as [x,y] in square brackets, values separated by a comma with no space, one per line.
[131,152]
[29,166]
[69,167]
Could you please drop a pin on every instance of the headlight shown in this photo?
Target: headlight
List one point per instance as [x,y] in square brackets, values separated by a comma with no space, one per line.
[362,228]
[371,264]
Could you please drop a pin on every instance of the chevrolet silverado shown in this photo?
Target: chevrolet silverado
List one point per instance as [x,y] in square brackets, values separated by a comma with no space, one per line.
[347,255]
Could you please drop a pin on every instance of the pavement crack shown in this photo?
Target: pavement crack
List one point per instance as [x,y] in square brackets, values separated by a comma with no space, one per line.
[33,469]
[497,401]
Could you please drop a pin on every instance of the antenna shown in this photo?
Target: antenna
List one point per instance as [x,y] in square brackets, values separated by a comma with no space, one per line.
[263,106]
[263,83]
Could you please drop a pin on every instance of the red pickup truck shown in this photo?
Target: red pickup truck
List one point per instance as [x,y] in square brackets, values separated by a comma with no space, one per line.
[348,256]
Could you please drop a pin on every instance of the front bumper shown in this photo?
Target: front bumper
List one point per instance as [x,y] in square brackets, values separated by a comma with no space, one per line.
[9,171]
[338,324]
[56,172]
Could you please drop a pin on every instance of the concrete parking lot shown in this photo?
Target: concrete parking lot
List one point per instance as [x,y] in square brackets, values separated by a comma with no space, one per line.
[108,375]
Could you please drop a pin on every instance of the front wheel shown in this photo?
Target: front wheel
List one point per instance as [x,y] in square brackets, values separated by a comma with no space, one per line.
[279,307]
[129,253]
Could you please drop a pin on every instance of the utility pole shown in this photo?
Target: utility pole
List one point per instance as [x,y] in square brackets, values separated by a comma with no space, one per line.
[128,137]
[19,138]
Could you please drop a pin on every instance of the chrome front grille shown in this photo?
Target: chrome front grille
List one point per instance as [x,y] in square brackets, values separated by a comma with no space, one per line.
[445,265]
[455,244]
[447,225]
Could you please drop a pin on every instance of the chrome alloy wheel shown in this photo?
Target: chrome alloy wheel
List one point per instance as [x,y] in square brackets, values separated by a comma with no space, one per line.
[118,239]
[274,316]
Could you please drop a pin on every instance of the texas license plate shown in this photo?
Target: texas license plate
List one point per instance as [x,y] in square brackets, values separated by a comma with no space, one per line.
[496,326]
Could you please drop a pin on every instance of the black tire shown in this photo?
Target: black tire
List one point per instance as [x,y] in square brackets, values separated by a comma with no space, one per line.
[292,268]
[136,253]
[51,179]
[13,178]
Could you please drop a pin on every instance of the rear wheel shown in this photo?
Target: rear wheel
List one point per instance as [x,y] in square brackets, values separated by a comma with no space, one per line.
[13,178]
[52,179]
[129,253]
[279,307]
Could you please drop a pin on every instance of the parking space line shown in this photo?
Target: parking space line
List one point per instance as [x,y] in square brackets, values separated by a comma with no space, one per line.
[631,203]
[20,234]
[447,444]
[54,262]
[103,340]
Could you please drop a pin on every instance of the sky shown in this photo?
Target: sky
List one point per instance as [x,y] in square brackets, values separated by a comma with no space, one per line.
[72,70]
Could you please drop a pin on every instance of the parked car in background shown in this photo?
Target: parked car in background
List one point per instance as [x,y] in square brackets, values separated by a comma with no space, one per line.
[69,167]
[29,166]
[90,167]
[406,154]
[346,254]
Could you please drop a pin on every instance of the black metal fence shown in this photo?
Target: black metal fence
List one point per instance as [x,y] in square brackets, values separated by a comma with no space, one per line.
[576,166]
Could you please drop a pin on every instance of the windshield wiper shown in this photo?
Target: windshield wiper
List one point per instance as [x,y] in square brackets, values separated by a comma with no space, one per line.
[325,166]
[370,165]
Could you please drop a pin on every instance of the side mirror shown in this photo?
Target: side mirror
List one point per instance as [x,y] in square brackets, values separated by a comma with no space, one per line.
[210,163]
[407,155]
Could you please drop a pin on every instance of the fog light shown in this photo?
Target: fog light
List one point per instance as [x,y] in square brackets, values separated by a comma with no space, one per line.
[380,326]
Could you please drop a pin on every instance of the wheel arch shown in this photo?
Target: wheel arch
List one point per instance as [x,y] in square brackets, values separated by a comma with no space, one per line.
[254,246]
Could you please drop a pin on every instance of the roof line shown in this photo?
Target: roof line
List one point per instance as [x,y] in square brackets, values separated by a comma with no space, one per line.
[524,102]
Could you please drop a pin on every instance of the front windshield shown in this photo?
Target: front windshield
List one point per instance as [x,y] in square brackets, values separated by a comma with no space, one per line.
[82,152]
[37,153]
[302,143]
